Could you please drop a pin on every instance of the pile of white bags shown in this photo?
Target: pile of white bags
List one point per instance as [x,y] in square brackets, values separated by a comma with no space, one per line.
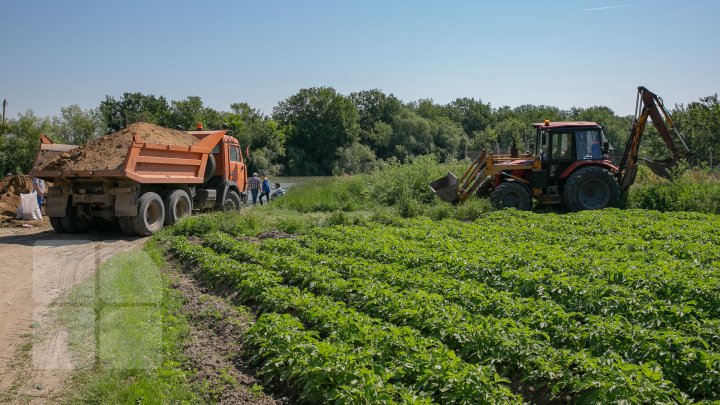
[28,208]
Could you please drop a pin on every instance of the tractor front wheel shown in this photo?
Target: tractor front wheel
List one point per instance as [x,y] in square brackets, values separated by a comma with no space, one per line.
[511,195]
[591,188]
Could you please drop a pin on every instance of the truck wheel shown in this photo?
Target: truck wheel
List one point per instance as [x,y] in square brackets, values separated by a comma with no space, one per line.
[232,201]
[210,167]
[177,205]
[591,188]
[56,223]
[511,195]
[127,225]
[72,223]
[151,214]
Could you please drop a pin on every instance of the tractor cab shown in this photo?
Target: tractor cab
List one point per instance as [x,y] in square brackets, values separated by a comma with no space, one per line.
[564,145]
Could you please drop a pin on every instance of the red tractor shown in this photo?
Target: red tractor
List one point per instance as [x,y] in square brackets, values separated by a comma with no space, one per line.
[569,165]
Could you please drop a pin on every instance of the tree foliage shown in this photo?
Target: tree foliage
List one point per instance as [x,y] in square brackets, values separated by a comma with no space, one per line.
[318,121]
[318,131]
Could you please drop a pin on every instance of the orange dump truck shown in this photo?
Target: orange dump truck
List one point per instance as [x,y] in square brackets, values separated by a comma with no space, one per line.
[147,186]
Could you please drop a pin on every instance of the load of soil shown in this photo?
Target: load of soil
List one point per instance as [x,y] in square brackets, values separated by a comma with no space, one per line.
[109,152]
[10,189]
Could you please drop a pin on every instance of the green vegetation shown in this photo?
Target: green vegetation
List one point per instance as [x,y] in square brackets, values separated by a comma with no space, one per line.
[318,131]
[126,334]
[697,190]
[505,311]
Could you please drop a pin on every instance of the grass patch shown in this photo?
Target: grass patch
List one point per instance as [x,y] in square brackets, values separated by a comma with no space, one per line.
[127,332]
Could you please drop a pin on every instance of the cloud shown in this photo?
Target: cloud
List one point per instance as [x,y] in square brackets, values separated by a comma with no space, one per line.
[608,7]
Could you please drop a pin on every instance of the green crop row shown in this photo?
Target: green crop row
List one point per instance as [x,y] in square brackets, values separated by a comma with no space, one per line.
[685,360]
[661,293]
[531,363]
[419,369]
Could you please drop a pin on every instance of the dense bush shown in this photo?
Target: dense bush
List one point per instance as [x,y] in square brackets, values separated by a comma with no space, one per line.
[693,191]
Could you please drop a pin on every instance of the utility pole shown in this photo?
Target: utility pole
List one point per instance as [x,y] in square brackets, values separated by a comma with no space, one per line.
[3,115]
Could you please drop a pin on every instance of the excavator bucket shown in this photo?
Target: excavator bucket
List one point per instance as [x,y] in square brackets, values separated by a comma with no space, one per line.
[446,187]
[660,167]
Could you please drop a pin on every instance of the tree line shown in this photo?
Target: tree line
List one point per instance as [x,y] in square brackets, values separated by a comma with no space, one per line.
[318,131]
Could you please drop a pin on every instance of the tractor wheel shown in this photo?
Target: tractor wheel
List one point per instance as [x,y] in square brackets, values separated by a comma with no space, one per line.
[485,188]
[72,223]
[511,195]
[126,225]
[56,223]
[232,201]
[177,205]
[591,188]
[151,214]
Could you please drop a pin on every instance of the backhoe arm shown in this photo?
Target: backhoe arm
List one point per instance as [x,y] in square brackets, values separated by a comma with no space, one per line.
[649,105]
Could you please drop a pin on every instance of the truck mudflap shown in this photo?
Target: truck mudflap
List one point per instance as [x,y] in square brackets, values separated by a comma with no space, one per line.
[126,200]
[446,187]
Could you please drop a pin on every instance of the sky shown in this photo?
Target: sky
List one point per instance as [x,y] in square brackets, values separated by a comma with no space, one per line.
[564,53]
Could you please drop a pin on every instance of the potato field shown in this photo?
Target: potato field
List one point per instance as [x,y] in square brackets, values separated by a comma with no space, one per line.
[597,306]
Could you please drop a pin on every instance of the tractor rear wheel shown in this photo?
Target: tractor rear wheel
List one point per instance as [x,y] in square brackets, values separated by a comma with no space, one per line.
[511,195]
[591,188]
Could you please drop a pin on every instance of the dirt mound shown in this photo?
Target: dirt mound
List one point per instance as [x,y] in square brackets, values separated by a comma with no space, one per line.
[108,152]
[10,189]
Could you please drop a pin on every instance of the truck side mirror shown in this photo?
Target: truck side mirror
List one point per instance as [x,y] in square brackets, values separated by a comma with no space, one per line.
[606,148]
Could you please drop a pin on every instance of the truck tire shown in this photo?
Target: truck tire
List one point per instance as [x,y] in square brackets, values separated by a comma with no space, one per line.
[56,223]
[511,195]
[151,214]
[591,188]
[177,205]
[210,167]
[126,225]
[71,223]
[232,201]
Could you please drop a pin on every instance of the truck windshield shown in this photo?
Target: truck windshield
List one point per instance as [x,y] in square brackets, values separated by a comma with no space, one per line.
[588,144]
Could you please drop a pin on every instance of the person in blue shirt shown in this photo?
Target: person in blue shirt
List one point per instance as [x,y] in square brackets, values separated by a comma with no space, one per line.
[265,190]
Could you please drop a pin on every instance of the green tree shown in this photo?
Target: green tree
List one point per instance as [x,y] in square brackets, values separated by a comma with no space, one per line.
[472,114]
[699,123]
[188,113]
[77,126]
[318,121]
[354,159]
[134,107]
[20,144]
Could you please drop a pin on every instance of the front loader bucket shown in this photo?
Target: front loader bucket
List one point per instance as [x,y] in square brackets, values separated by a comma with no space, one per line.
[446,187]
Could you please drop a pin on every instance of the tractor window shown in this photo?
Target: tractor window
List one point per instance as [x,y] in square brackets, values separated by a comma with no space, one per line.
[562,145]
[588,145]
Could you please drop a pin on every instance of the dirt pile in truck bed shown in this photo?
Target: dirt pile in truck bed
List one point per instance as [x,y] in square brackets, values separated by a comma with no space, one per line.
[10,189]
[108,152]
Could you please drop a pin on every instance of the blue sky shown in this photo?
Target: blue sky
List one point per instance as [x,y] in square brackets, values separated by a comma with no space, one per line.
[564,53]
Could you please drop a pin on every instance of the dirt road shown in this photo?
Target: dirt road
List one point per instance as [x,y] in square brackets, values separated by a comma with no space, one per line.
[36,266]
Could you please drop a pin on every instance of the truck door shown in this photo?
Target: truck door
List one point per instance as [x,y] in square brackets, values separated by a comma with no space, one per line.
[237,167]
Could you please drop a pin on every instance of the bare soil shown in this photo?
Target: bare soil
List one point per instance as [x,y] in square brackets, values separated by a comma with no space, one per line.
[109,152]
[10,189]
[215,348]
[38,266]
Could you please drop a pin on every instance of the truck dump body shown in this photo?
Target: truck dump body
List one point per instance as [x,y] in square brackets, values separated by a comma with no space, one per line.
[180,159]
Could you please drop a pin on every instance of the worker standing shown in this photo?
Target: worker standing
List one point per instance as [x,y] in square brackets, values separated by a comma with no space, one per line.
[254,185]
[265,191]
[39,188]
